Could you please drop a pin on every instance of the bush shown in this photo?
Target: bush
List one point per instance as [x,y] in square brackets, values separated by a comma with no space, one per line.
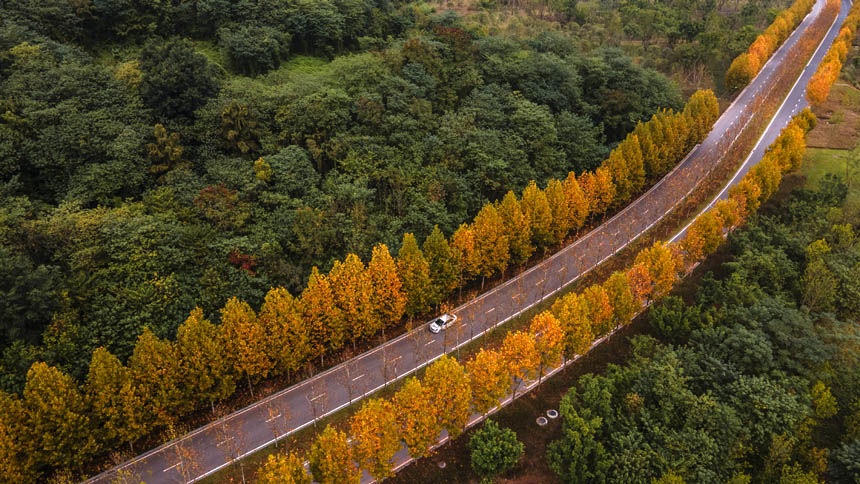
[254,50]
[494,449]
[176,79]
[674,321]
[844,465]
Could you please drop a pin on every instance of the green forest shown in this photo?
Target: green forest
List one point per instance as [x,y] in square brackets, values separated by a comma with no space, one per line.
[754,378]
[143,175]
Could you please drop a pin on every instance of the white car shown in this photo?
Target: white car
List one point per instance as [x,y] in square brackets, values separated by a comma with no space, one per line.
[442,322]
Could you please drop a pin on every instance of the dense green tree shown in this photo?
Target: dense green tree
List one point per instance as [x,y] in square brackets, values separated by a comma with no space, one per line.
[494,449]
[176,79]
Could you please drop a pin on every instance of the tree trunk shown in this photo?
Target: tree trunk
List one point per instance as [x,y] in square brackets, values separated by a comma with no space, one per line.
[250,388]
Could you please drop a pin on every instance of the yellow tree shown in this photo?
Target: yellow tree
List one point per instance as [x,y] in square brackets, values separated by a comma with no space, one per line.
[741,71]
[284,469]
[375,437]
[536,208]
[599,310]
[287,331]
[767,174]
[490,379]
[549,340]
[660,263]
[517,229]
[463,244]
[650,151]
[617,166]
[331,459]
[450,394]
[154,367]
[205,373]
[245,341]
[443,264]
[561,218]
[728,211]
[116,405]
[13,437]
[387,297]
[351,289]
[748,196]
[693,244]
[632,151]
[617,287]
[710,227]
[521,356]
[577,204]
[414,273]
[416,418]
[324,318]
[491,247]
[59,432]
[639,279]
[598,189]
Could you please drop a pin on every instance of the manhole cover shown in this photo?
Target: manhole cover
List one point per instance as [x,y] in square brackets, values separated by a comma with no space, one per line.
[552,413]
[542,421]
[442,464]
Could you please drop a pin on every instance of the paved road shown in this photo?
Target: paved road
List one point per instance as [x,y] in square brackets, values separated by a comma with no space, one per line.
[212,447]
[794,103]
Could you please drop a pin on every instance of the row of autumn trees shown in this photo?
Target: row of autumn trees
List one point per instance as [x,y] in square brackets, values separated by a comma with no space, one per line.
[828,71]
[451,393]
[746,65]
[165,380]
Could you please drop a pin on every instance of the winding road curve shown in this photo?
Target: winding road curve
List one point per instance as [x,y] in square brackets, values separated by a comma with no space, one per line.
[212,447]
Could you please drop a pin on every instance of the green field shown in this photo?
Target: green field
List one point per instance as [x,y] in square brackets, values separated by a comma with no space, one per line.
[820,161]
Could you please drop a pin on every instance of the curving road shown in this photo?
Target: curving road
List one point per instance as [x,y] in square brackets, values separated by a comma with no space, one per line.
[214,446]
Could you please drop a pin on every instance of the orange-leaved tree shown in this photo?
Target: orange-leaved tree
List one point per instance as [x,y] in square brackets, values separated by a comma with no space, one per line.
[521,355]
[598,308]
[490,379]
[331,459]
[387,297]
[416,418]
[463,243]
[640,283]
[659,261]
[450,394]
[549,340]
[375,437]
[560,210]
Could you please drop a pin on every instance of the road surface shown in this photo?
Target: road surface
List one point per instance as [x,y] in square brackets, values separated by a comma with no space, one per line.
[212,447]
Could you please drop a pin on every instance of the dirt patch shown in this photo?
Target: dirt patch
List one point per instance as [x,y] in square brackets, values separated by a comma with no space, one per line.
[838,119]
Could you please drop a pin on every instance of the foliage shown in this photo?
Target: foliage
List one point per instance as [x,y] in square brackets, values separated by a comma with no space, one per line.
[284,469]
[494,450]
[450,394]
[417,418]
[375,437]
[176,79]
[490,379]
[254,50]
[331,459]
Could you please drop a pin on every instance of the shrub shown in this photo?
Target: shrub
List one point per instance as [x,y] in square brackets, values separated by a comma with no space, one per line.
[254,50]
[494,449]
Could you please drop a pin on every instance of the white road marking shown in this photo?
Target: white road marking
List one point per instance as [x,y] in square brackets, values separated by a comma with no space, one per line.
[359,376]
[430,342]
[318,396]
[491,310]
[171,467]
[272,418]
[228,439]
